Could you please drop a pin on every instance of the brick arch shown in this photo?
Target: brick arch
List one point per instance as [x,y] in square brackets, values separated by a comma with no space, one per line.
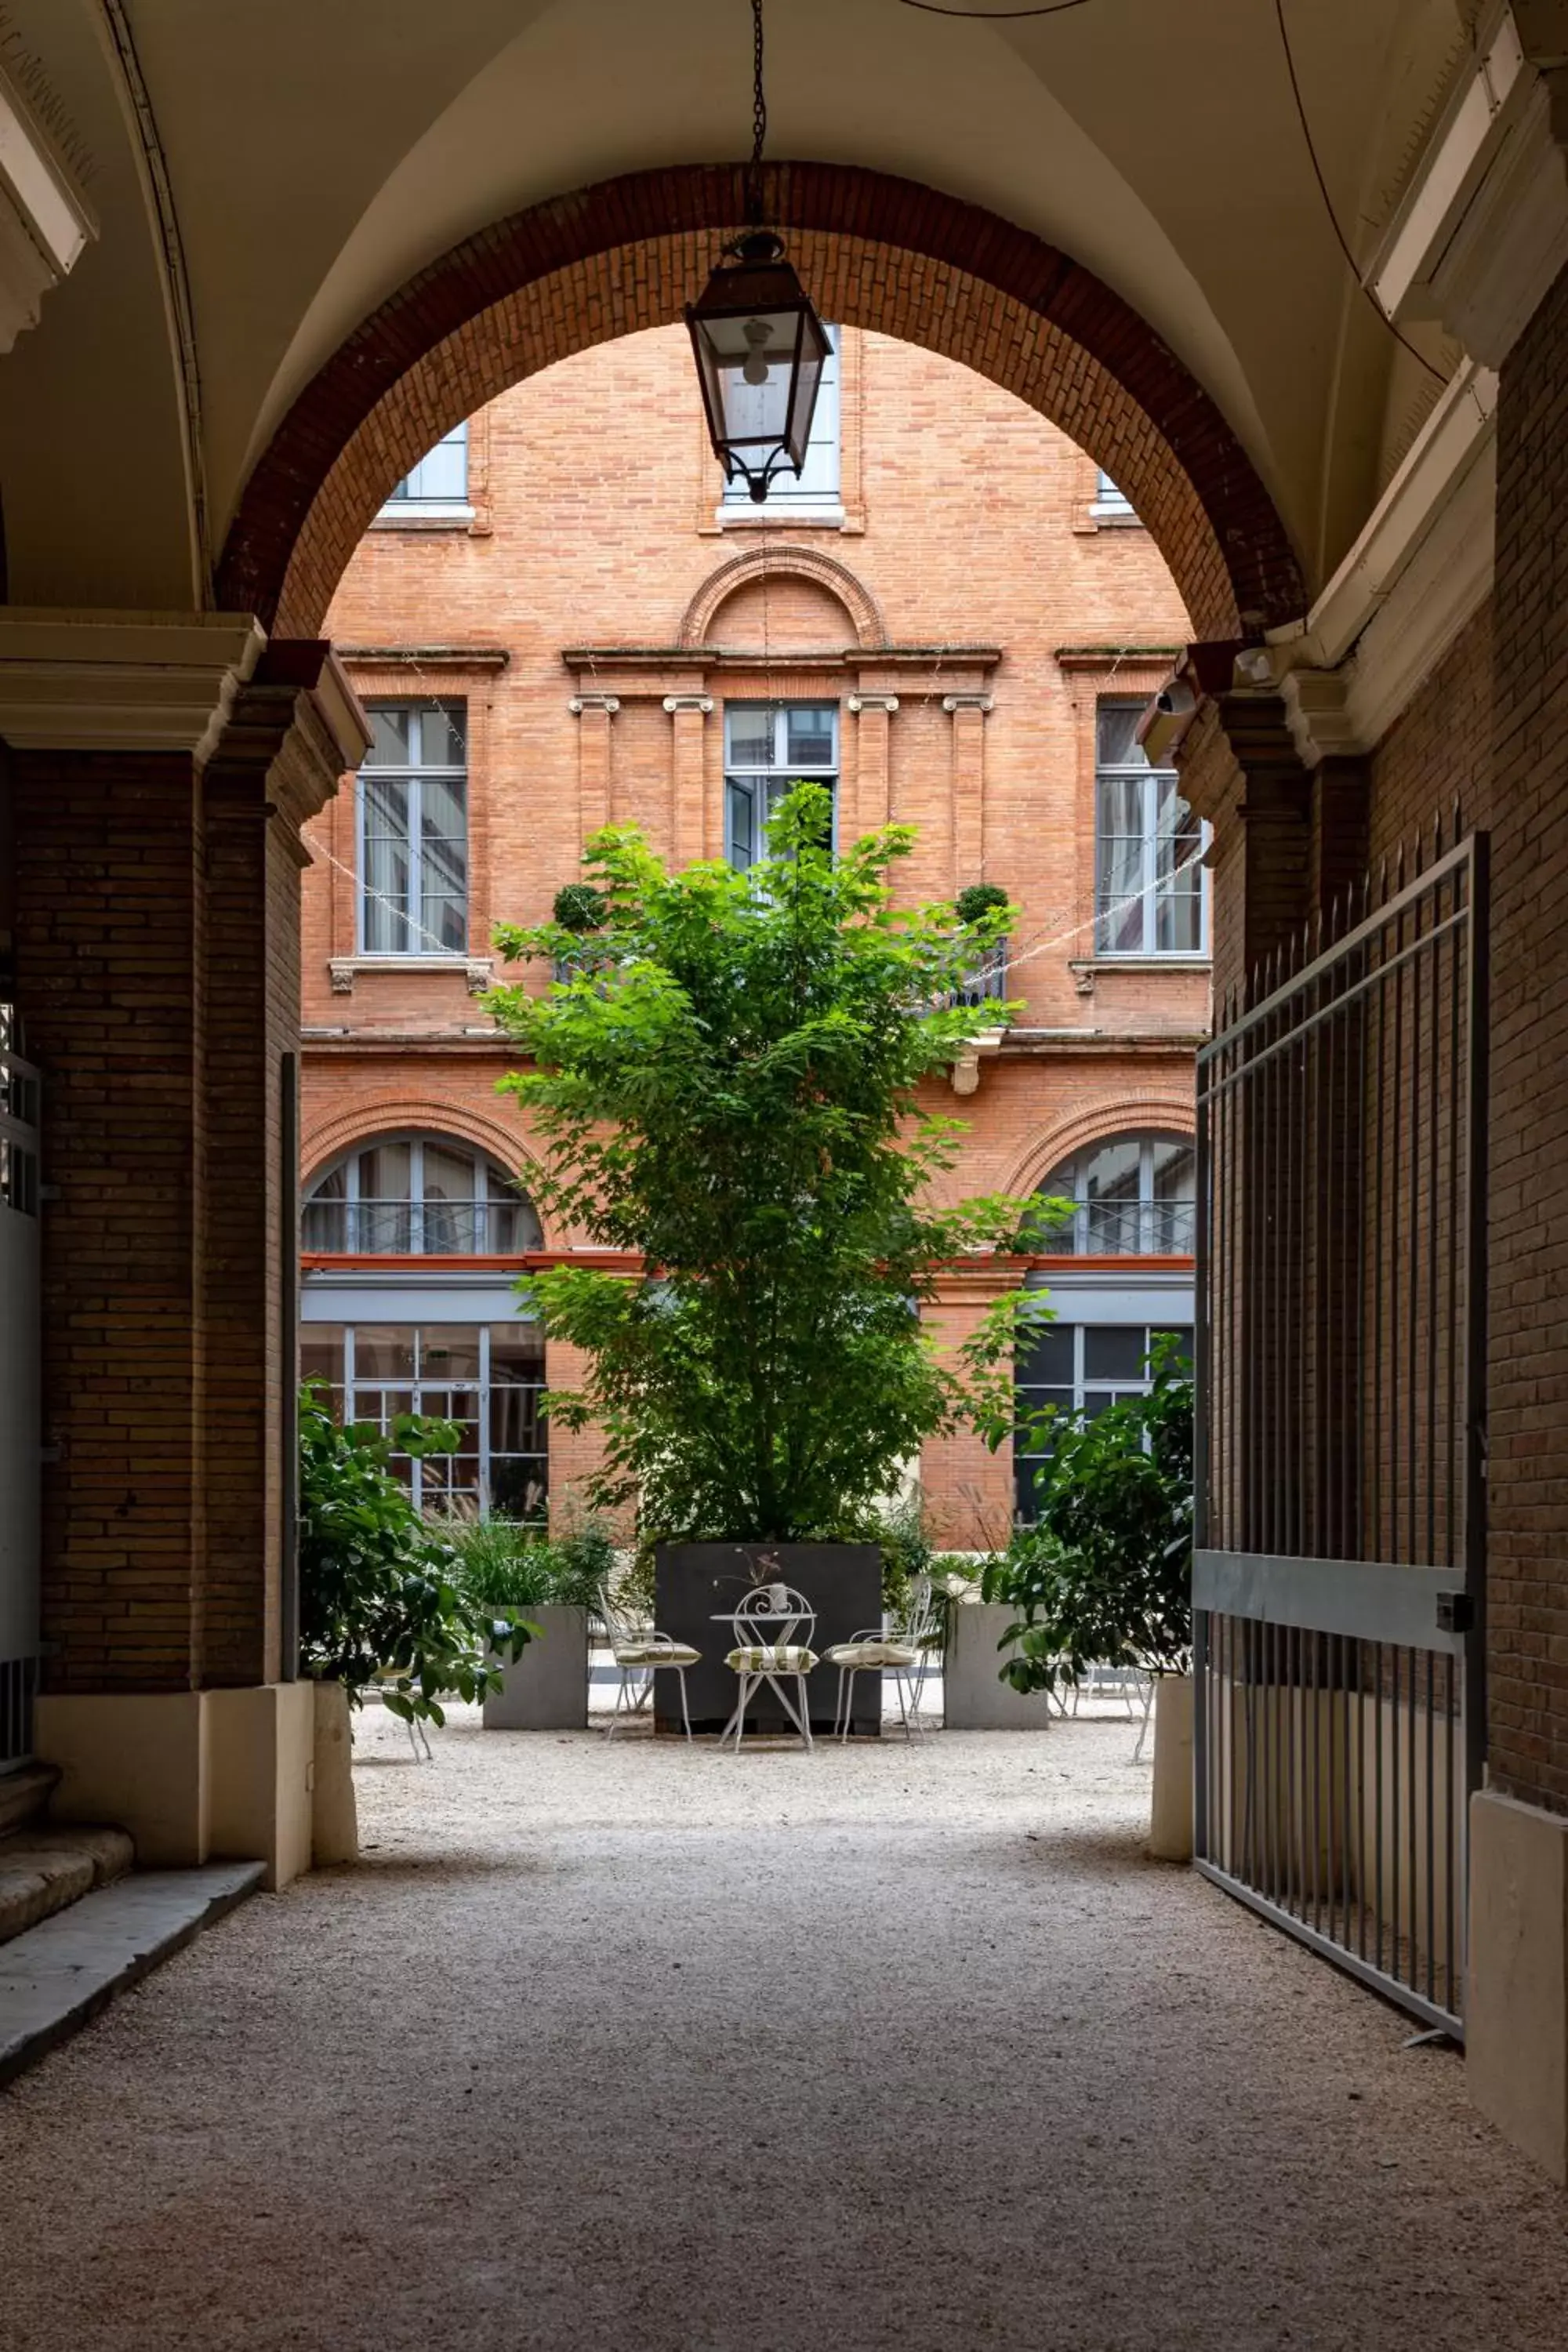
[331,1140]
[772,563]
[1128,1114]
[876,251]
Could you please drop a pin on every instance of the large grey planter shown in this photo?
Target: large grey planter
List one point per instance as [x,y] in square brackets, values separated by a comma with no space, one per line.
[694,1583]
[547,1689]
[974,1697]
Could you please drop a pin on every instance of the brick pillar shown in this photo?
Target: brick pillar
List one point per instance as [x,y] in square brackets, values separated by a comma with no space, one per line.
[594,765]
[968,1489]
[161,771]
[968,712]
[873,755]
[686,814]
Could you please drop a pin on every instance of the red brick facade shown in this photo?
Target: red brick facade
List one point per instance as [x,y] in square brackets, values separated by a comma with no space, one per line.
[967,581]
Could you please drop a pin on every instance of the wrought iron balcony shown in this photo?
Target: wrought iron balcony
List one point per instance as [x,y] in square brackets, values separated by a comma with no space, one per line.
[986,984]
[417,1228]
[1102,1228]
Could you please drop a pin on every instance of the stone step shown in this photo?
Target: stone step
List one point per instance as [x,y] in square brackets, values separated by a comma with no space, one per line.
[49,1865]
[24,1796]
[58,1975]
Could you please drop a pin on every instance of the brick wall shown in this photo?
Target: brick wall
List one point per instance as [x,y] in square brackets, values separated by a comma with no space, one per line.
[967,527]
[1440,751]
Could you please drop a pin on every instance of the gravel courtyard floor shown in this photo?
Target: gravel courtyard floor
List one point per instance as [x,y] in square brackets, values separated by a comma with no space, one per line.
[639,2046]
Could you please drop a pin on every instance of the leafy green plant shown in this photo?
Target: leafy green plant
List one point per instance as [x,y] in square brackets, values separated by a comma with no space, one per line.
[381,1601]
[735,1095]
[506,1564]
[1105,1575]
[980,900]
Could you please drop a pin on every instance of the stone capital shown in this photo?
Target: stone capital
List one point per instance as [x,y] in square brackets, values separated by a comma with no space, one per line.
[702,703]
[292,730]
[606,703]
[984,703]
[887,702]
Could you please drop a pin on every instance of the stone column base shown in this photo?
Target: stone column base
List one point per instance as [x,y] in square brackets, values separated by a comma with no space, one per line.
[1516,1992]
[194,1775]
[1171,1807]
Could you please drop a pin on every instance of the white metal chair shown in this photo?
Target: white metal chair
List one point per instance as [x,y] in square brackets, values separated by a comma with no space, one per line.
[637,1648]
[774,1626]
[419,1737]
[902,1649]
[1131,1684]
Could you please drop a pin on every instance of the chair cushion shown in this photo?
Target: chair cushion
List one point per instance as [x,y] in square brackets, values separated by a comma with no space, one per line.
[656,1654]
[872,1653]
[772,1658]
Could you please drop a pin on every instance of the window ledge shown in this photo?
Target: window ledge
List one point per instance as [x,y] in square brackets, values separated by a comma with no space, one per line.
[479,972]
[830,516]
[1114,518]
[1181,960]
[432,514]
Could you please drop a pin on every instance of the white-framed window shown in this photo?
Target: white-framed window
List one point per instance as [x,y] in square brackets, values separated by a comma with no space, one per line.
[1080,1368]
[768,746]
[413,819]
[1134,1196]
[417,1196]
[439,480]
[817,484]
[487,1377]
[1111,505]
[1150,893]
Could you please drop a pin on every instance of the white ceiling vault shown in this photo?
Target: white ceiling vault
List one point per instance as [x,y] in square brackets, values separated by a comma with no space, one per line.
[262,177]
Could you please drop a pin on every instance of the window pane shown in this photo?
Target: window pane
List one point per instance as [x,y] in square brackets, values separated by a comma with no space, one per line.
[519,1488]
[442,734]
[383,1351]
[517,1353]
[750,737]
[388,735]
[1182,1333]
[443,472]
[1114,1352]
[386,1172]
[443,809]
[511,1221]
[1118,735]
[740,828]
[450,1351]
[808,738]
[1119,894]
[1048,1356]
[517,1425]
[1113,1220]
[321,1353]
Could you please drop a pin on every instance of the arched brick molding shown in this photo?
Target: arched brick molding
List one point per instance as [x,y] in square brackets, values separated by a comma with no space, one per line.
[329,1139]
[876,251]
[777,563]
[1133,1113]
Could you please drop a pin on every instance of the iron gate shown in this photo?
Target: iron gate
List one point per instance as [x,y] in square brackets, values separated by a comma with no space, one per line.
[1338,1577]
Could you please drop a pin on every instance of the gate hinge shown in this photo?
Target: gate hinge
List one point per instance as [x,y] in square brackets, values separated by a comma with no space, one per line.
[1455,1613]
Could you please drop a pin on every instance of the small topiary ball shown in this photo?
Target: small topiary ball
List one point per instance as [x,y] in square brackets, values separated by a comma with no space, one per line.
[980,898]
[580,908]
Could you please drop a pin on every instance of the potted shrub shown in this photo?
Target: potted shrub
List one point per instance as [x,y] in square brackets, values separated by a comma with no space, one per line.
[512,1570]
[1105,1576]
[734,1097]
[380,1602]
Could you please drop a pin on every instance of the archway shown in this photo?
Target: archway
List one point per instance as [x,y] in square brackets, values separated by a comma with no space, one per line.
[877,252]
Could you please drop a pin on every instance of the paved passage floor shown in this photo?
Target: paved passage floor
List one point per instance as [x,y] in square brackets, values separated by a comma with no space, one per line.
[633,2046]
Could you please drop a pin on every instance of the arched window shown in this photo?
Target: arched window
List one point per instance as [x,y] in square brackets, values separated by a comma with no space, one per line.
[1134,1197]
[418,1196]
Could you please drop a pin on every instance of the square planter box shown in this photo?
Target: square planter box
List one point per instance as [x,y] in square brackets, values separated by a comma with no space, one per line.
[973,1699]
[693,1583]
[547,1689]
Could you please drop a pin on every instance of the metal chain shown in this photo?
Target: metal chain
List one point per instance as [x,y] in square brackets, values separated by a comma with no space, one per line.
[759,118]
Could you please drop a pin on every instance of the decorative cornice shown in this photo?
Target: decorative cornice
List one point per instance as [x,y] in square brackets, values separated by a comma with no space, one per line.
[45,222]
[887,702]
[425,656]
[1481,232]
[607,703]
[702,703]
[291,731]
[93,681]
[981,702]
[1117,656]
[593,660]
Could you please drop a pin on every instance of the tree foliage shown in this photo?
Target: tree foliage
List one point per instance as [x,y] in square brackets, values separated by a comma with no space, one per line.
[731,1091]
[1104,1575]
[380,1599]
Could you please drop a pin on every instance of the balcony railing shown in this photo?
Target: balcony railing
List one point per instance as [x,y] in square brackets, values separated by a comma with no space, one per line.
[416,1228]
[987,984]
[1126,1229]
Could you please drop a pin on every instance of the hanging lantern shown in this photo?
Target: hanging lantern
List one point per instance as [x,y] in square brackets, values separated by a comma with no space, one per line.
[761,349]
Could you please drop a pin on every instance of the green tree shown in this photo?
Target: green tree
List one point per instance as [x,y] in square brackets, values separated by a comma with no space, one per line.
[381,1596]
[731,1091]
[1104,1575]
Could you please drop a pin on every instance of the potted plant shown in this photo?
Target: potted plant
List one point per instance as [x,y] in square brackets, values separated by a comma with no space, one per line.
[512,1570]
[380,1601]
[1105,1575]
[734,1097]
